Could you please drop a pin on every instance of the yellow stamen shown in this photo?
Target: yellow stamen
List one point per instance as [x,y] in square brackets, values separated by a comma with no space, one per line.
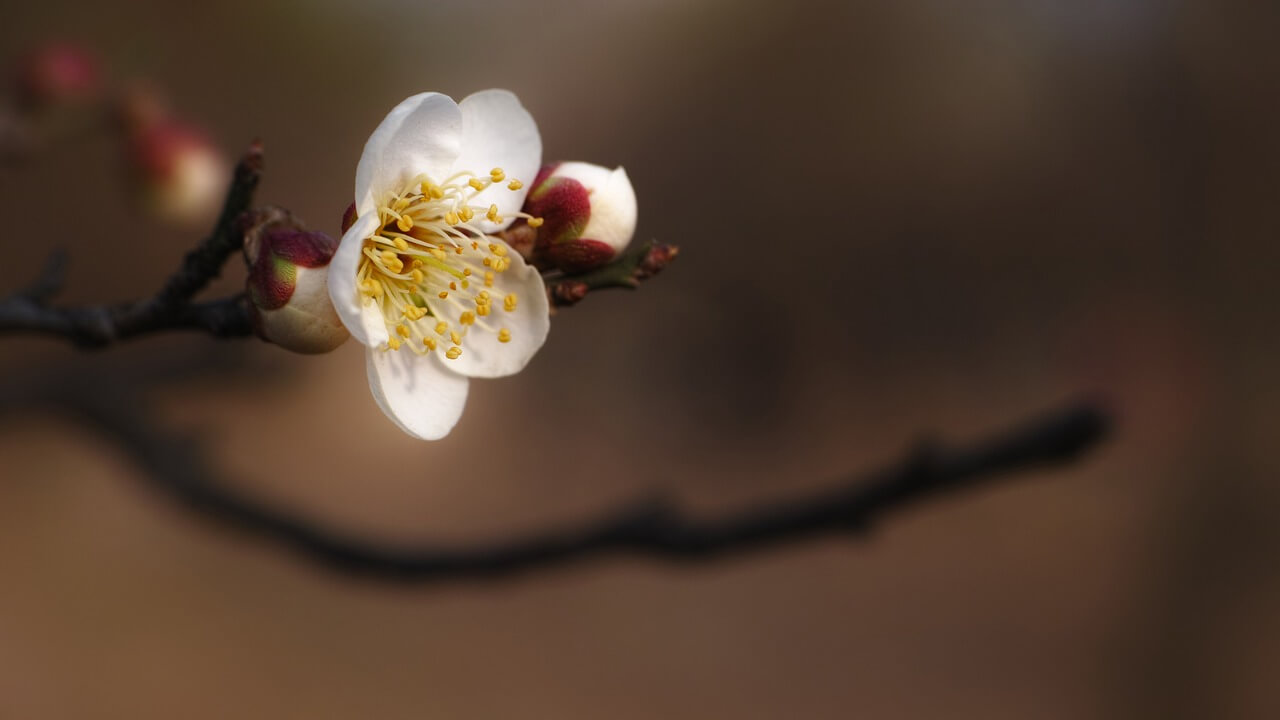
[536,222]
[467,318]
[504,335]
[515,185]
[509,302]
[453,353]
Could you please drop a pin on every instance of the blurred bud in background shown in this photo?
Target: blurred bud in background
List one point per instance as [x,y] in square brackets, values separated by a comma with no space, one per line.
[288,287]
[57,74]
[180,175]
[584,217]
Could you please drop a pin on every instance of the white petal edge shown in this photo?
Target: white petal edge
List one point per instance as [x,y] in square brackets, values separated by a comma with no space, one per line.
[362,319]
[416,392]
[423,134]
[497,132]
[613,202]
[483,356]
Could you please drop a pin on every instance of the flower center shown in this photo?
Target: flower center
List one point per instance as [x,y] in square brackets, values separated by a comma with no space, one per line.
[434,274]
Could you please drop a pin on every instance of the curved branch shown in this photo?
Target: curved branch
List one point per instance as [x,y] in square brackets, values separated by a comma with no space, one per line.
[174,464]
[171,308]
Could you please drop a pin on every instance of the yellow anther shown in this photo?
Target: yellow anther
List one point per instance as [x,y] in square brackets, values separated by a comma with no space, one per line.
[442,327]
[477,183]
[467,318]
[488,262]
[497,249]
[457,251]
[509,302]
[393,343]
[402,331]
[466,272]
[444,294]
[418,276]
[453,353]
[430,342]
[416,263]
[493,215]
[400,244]
[455,337]
[373,288]
[465,284]
[488,279]
[497,175]
[405,223]
[482,310]
[466,214]
[500,264]
[482,298]
[451,217]
[504,335]
[475,245]
[536,222]
[515,185]
[438,254]
[430,189]
[400,204]
[387,255]
[453,285]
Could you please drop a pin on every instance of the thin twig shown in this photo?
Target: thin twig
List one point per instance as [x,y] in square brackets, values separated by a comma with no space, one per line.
[171,308]
[176,464]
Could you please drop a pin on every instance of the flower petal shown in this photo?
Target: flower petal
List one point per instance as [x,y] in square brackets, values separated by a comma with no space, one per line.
[416,391]
[423,134]
[363,319]
[483,355]
[497,132]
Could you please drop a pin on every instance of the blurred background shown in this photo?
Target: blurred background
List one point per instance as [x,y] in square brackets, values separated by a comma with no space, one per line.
[896,218]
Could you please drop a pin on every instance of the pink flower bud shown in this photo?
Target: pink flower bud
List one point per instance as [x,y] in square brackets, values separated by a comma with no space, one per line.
[58,73]
[288,288]
[181,175]
[584,215]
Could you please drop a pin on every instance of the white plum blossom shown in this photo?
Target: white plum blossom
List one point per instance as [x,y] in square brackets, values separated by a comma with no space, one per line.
[419,278]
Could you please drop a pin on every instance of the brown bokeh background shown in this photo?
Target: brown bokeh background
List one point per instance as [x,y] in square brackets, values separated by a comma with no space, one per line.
[896,217]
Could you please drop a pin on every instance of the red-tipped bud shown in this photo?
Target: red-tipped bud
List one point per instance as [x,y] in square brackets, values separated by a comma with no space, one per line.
[288,288]
[181,175]
[584,216]
[58,73]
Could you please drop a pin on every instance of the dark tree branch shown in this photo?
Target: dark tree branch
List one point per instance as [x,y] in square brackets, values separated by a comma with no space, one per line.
[176,465]
[171,308]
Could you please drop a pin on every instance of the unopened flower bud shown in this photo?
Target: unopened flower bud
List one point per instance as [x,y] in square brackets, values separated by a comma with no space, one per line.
[289,291]
[58,73]
[181,175]
[584,215]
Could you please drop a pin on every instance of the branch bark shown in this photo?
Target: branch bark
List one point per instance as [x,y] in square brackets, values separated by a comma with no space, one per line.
[657,528]
[171,308]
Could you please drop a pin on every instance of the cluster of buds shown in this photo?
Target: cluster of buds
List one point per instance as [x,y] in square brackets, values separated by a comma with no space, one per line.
[288,283]
[180,175]
[583,217]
